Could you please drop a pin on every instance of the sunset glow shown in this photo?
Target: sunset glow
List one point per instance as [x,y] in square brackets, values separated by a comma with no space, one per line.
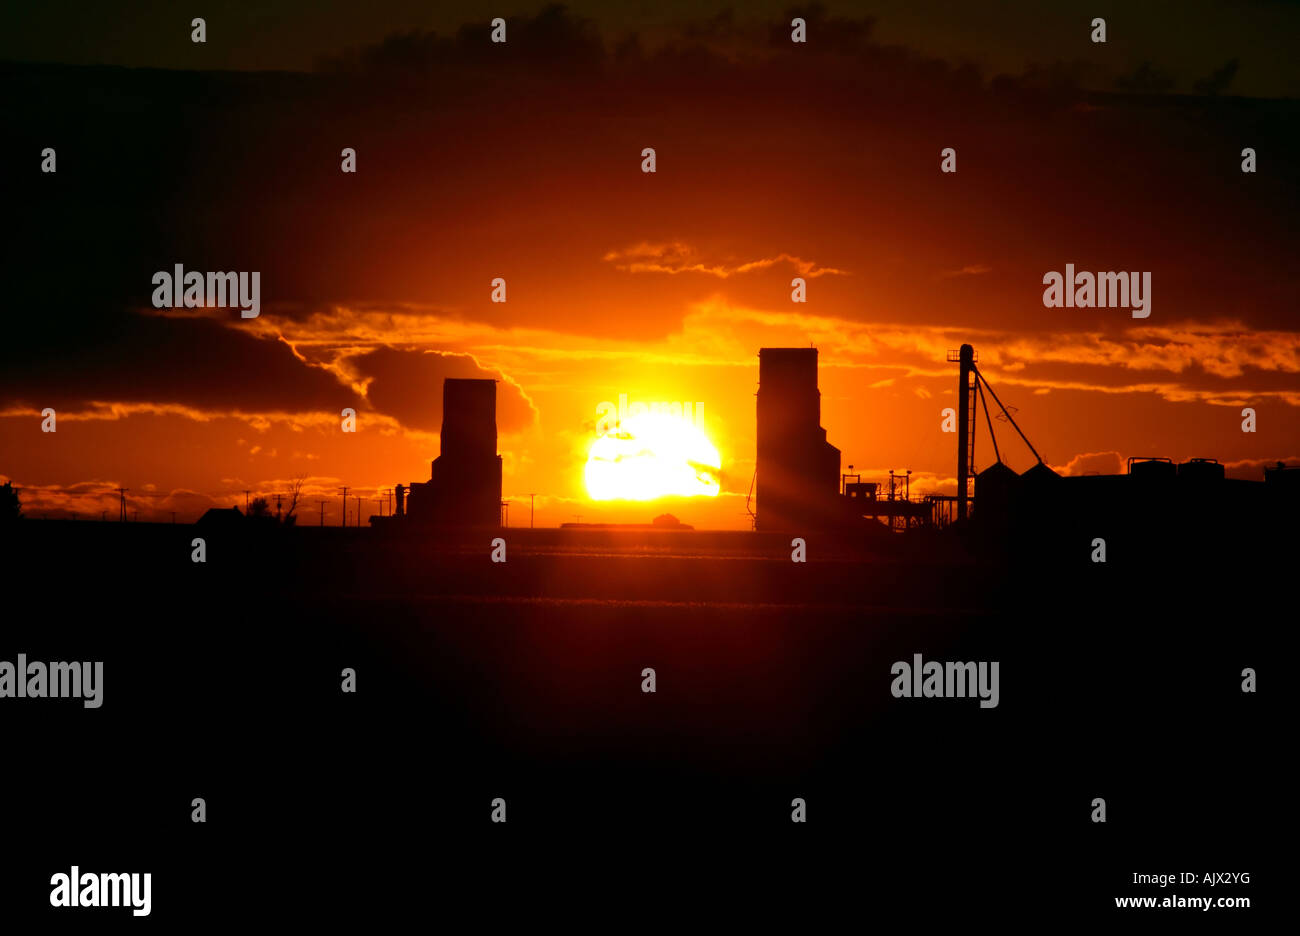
[652,455]
[660,286]
[772,446]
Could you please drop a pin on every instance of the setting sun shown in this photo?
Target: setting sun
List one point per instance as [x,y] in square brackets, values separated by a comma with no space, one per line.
[652,455]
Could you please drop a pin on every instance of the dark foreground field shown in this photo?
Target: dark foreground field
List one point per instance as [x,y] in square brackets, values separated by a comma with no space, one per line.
[522,680]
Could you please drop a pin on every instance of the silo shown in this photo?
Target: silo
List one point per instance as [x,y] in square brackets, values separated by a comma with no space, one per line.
[797,483]
[466,483]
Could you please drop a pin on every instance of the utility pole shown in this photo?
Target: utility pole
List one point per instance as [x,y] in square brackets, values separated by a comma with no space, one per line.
[530,510]
[965,357]
[277,508]
[246,503]
[380,502]
[121,493]
[345,505]
[322,511]
[388,493]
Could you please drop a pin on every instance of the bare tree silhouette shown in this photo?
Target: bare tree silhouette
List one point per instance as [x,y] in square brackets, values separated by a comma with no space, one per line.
[295,495]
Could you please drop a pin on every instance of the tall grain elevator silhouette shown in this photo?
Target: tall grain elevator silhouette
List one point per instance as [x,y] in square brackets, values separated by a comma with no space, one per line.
[798,471]
[465,488]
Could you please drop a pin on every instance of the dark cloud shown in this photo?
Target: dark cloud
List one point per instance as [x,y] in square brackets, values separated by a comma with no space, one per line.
[1218,81]
[551,36]
[839,34]
[407,385]
[476,159]
[1145,79]
[1004,37]
[198,363]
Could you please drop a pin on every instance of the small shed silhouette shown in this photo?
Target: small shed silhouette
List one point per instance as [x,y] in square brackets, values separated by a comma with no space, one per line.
[221,518]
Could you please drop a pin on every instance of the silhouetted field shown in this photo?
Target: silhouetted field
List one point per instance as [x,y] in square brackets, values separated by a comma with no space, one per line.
[522,680]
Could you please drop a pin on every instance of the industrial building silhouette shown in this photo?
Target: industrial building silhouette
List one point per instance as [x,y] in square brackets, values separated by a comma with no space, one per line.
[464,489]
[799,487]
[1155,503]
[797,470]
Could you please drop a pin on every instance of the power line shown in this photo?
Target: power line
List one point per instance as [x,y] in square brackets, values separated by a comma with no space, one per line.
[187,494]
[345,505]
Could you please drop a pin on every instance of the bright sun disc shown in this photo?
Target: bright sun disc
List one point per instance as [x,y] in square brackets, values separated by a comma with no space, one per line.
[652,455]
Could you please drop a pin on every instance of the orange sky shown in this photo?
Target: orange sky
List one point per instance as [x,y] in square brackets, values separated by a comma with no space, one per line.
[662,286]
[883,389]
